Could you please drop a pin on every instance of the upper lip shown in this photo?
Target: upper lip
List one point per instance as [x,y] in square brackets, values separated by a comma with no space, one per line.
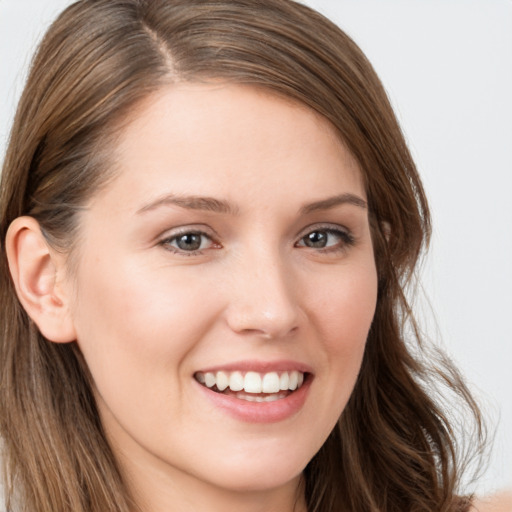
[259,367]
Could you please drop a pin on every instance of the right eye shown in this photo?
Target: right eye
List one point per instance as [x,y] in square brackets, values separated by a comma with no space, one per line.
[189,242]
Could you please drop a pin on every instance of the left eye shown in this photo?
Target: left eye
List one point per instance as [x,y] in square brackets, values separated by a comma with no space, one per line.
[325,238]
[189,242]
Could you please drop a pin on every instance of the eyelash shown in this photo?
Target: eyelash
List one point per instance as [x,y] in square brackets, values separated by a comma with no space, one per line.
[166,242]
[346,240]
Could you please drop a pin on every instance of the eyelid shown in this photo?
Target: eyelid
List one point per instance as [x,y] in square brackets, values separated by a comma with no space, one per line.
[325,226]
[345,234]
[187,228]
[171,234]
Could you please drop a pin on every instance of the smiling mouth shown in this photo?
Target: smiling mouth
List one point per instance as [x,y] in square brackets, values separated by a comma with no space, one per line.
[253,386]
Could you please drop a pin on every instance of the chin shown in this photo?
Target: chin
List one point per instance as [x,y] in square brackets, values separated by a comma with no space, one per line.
[259,479]
[261,472]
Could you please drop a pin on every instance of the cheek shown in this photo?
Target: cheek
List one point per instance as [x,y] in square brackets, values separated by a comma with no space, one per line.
[343,316]
[128,316]
[344,311]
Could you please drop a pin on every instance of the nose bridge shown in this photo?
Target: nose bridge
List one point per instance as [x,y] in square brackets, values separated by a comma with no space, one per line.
[264,300]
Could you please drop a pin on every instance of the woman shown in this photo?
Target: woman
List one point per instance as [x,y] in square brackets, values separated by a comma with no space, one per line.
[209,219]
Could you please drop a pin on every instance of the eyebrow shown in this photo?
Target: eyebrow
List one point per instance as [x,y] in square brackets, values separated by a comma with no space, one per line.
[212,204]
[332,202]
[203,203]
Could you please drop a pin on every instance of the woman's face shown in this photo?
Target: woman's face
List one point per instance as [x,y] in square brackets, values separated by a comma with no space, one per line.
[232,249]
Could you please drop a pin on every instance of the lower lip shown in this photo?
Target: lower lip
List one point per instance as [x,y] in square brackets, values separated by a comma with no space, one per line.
[260,412]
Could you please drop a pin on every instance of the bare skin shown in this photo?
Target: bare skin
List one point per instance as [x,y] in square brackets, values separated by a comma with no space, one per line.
[501,502]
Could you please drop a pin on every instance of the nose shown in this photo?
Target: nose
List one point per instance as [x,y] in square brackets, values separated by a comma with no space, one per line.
[263,298]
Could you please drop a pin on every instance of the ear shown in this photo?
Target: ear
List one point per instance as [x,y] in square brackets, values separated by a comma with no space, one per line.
[37,271]
[386,229]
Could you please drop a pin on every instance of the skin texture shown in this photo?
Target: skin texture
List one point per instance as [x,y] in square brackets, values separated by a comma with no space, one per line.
[148,315]
[501,502]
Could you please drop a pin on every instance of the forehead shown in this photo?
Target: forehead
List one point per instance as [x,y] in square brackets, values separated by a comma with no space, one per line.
[231,141]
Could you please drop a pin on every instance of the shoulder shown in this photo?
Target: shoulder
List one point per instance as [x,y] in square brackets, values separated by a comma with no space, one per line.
[501,502]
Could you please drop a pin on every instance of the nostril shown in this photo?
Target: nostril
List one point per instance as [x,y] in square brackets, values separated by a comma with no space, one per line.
[266,324]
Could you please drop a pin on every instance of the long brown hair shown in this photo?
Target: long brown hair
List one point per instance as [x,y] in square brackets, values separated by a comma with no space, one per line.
[394,448]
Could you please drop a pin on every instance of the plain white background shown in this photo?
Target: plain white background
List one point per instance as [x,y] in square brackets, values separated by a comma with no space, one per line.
[447,66]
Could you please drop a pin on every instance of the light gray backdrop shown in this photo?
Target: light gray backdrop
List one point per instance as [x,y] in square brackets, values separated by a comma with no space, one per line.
[447,65]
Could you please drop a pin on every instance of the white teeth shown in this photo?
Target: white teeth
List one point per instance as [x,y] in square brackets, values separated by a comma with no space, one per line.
[236,381]
[253,382]
[283,381]
[294,381]
[209,380]
[222,381]
[270,383]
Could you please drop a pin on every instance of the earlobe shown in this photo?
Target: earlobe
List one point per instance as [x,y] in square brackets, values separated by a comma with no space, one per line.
[386,229]
[35,269]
